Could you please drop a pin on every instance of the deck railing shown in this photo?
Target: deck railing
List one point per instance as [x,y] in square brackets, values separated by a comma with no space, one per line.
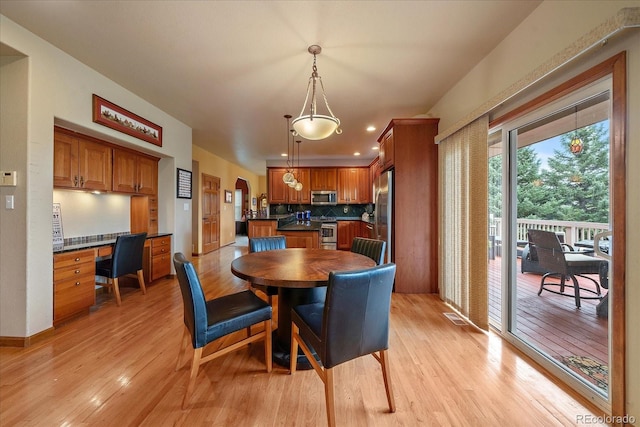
[574,231]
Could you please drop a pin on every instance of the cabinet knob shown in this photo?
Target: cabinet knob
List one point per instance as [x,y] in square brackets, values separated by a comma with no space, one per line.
[77,283]
[77,259]
[77,272]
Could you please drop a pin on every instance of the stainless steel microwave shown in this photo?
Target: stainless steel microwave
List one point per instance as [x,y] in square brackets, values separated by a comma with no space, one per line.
[324,197]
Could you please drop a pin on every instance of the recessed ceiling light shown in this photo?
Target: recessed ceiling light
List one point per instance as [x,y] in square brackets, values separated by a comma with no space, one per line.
[375,147]
[371,128]
[284,155]
[356,154]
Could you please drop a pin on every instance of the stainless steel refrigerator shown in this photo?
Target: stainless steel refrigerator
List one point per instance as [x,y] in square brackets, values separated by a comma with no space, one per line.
[383,190]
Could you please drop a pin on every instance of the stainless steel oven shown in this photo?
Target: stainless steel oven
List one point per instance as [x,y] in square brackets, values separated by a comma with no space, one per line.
[329,235]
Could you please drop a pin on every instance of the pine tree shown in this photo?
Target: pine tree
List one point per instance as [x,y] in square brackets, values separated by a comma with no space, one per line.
[577,185]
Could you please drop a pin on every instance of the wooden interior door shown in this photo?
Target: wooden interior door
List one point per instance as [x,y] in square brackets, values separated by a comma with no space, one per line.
[210,213]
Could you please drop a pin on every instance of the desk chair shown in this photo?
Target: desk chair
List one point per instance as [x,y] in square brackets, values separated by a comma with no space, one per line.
[352,322]
[372,248]
[125,259]
[565,265]
[206,321]
[259,244]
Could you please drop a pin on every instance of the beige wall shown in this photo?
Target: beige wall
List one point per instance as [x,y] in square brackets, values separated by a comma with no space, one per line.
[52,87]
[228,173]
[543,35]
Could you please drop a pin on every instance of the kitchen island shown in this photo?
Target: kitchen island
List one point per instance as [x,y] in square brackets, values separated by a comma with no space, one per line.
[299,234]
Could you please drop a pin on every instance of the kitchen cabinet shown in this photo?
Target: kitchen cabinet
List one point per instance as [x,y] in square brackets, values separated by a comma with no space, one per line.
[324,179]
[79,162]
[347,230]
[73,284]
[302,197]
[261,227]
[353,185]
[134,173]
[278,190]
[144,214]
[415,202]
[281,193]
[157,258]
[366,230]
[301,239]
[387,150]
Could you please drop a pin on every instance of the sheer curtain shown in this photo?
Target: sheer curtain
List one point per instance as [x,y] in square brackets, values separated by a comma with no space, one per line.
[463,221]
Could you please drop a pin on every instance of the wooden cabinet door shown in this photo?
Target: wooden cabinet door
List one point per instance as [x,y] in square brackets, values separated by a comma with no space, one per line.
[324,179]
[94,165]
[261,228]
[303,196]
[65,160]
[278,190]
[387,151]
[347,230]
[147,175]
[348,185]
[363,186]
[124,171]
[134,174]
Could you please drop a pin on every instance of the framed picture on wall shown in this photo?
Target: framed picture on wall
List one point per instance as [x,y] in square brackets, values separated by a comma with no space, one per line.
[183,186]
[228,196]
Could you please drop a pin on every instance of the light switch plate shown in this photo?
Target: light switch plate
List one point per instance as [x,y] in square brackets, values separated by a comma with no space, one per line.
[8,202]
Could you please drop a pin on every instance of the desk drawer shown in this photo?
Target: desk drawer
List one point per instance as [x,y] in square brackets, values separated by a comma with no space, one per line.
[160,250]
[69,259]
[73,296]
[161,266]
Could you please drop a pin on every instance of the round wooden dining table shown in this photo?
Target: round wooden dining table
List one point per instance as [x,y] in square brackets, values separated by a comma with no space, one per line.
[301,276]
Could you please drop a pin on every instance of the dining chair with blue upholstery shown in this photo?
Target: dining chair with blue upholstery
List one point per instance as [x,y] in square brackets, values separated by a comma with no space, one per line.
[208,320]
[269,243]
[352,322]
[126,259]
[372,248]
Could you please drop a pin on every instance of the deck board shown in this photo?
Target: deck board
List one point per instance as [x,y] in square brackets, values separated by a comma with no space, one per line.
[551,322]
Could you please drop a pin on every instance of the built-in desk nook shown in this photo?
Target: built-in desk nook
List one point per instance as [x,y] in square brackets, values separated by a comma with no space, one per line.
[74,271]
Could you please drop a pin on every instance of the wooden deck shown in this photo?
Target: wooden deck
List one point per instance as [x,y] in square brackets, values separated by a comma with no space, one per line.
[551,322]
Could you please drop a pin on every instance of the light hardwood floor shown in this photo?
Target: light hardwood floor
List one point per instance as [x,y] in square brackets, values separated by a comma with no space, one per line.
[115,366]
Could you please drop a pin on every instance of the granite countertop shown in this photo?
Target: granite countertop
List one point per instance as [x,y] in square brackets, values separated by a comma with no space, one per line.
[269,218]
[58,249]
[307,226]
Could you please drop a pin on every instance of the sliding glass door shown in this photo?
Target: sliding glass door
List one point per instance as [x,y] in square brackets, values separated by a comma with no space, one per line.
[550,170]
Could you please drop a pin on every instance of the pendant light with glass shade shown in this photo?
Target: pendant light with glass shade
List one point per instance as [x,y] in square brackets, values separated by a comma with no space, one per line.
[576,145]
[315,126]
[288,176]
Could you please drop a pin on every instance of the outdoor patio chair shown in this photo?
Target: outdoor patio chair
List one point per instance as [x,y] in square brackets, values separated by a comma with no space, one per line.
[565,265]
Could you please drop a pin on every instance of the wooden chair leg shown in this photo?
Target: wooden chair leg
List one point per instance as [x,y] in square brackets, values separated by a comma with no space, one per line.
[141,281]
[116,290]
[294,348]
[268,355]
[184,342]
[386,376]
[328,395]
[195,365]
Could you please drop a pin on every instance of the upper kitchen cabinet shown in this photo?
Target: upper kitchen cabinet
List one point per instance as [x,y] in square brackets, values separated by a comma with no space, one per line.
[134,173]
[324,179]
[386,156]
[302,197]
[279,192]
[354,185]
[79,162]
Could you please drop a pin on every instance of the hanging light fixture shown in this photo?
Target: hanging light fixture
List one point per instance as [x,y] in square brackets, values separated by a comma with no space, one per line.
[288,176]
[298,185]
[315,126]
[576,145]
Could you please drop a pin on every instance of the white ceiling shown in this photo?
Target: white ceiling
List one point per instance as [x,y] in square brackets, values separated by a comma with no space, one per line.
[232,69]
